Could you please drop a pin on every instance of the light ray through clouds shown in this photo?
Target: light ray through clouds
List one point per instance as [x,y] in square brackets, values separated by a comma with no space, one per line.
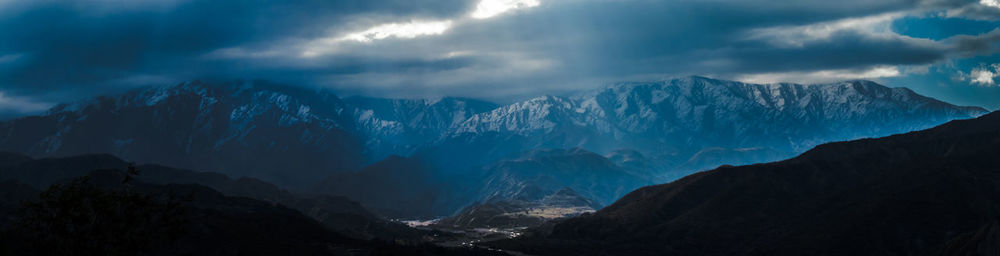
[409,30]
[797,36]
[822,76]
[500,50]
[413,29]
[490,8]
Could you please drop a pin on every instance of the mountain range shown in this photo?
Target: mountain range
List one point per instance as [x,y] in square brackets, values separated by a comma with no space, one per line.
[318,174]
[221,128]
[930,192]
[673,120]
[451,153]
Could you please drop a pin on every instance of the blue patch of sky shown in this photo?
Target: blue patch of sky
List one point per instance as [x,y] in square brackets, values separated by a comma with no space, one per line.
[944,81]
[936,27]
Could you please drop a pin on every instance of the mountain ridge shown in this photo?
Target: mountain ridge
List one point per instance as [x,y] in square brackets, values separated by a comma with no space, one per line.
[311,134]
[912,193]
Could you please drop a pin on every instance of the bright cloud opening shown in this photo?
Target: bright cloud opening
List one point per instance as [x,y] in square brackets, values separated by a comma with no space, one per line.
[408,30]
[490,8]
[413,29]
[822,75]
[991,3]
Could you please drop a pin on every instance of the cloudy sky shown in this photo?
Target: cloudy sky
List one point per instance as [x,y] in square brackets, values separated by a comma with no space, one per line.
[502,50]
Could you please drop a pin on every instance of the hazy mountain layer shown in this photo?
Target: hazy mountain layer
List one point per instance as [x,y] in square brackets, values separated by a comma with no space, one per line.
[909,194]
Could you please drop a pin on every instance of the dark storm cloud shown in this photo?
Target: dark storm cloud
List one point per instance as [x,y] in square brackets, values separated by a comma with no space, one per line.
[611,40]
[841,50]
[76,45]
[984,44]
[56,50]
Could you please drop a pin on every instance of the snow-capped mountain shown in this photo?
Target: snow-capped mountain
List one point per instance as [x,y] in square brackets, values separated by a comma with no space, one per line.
[698,111]
[293,136]
[680,117]
[281,134]
[400,126]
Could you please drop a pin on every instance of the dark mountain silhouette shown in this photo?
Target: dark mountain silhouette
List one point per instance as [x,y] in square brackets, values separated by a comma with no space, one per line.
[936,190]
[982,241]
[212,223]
[337,213]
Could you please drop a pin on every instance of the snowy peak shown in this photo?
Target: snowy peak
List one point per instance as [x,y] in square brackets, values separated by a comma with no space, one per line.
[400,126]
[418,114]
[544,114]
[677,118]
[215,126]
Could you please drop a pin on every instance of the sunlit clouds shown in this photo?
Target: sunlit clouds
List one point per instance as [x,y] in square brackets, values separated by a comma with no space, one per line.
[984,75]
[400,30]
[822,76]
[490,8]
[408,30]
[413,29]
[496,49]
[797,36]
[991,3]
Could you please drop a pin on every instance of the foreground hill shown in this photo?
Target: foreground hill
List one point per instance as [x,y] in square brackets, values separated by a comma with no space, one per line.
[175,219]
[339,214]
[917,193]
